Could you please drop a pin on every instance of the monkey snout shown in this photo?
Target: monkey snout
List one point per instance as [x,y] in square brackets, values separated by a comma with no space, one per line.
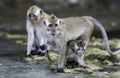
[53,30]
[53,33]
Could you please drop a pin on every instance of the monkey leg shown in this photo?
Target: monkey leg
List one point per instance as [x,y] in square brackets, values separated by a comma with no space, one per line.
[30,41]
[61,60]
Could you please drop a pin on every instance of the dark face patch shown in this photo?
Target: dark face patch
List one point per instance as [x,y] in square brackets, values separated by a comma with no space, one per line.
[52,28]
[53,25]
[78,48]
[32,18]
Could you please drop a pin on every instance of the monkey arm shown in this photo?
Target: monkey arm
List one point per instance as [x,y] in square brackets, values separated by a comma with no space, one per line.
[30,40]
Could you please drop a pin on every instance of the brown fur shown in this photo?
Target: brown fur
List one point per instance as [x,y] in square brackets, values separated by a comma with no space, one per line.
[52,18]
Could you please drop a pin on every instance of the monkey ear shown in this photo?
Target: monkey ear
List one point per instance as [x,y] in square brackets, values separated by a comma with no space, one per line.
[44,22]
[61,21]
[41,12]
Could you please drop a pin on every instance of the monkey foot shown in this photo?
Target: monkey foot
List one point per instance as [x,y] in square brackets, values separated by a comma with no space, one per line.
[41,53]
[33,52]
[28,55]
[60,70]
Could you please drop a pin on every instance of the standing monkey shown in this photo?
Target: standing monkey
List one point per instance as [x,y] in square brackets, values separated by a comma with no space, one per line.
[63,30]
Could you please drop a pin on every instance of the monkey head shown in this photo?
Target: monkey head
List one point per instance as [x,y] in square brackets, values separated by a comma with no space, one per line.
[53,25]
[34,14]
[78,47]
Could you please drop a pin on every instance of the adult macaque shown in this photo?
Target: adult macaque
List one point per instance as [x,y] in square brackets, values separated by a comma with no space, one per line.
[75,49]
[35,17]
[63,30]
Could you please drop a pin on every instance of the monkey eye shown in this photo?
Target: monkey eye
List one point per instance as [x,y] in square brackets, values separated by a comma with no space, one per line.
[29,15]
[50,25]
[34,15]
[82,49]
[41,11]
[55,25]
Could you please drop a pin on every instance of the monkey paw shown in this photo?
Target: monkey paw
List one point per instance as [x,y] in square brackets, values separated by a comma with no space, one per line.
[41,53]
[60,70]
[28,55]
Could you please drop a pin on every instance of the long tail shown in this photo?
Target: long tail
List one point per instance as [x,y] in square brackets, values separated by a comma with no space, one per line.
[104,34]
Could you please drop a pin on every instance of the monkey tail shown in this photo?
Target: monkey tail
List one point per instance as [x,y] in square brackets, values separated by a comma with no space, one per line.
[104,34]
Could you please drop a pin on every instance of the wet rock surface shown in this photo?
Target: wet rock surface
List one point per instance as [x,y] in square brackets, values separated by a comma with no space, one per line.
[14,64]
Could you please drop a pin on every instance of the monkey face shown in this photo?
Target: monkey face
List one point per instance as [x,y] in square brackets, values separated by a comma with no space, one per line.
[53,28]
[32,18]
[78,48]
[80,51]
[34,14]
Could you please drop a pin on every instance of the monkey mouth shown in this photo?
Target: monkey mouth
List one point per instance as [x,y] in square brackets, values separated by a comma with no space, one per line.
[32,22]
[80,53]
[53,34]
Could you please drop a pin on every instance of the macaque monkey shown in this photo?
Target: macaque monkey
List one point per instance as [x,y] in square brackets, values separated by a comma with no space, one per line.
[63,30]
[75,49]
[35,41]
[54,31]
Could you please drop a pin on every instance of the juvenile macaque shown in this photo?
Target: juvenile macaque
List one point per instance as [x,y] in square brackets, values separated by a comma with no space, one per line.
[63,30]
[76,50]
[35,17]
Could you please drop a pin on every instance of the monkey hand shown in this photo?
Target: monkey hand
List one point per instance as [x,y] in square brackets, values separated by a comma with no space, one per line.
[60,70]
[28,55]
[43,50]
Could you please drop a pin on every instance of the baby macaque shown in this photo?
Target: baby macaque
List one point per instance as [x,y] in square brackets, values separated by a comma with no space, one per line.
[76,49]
